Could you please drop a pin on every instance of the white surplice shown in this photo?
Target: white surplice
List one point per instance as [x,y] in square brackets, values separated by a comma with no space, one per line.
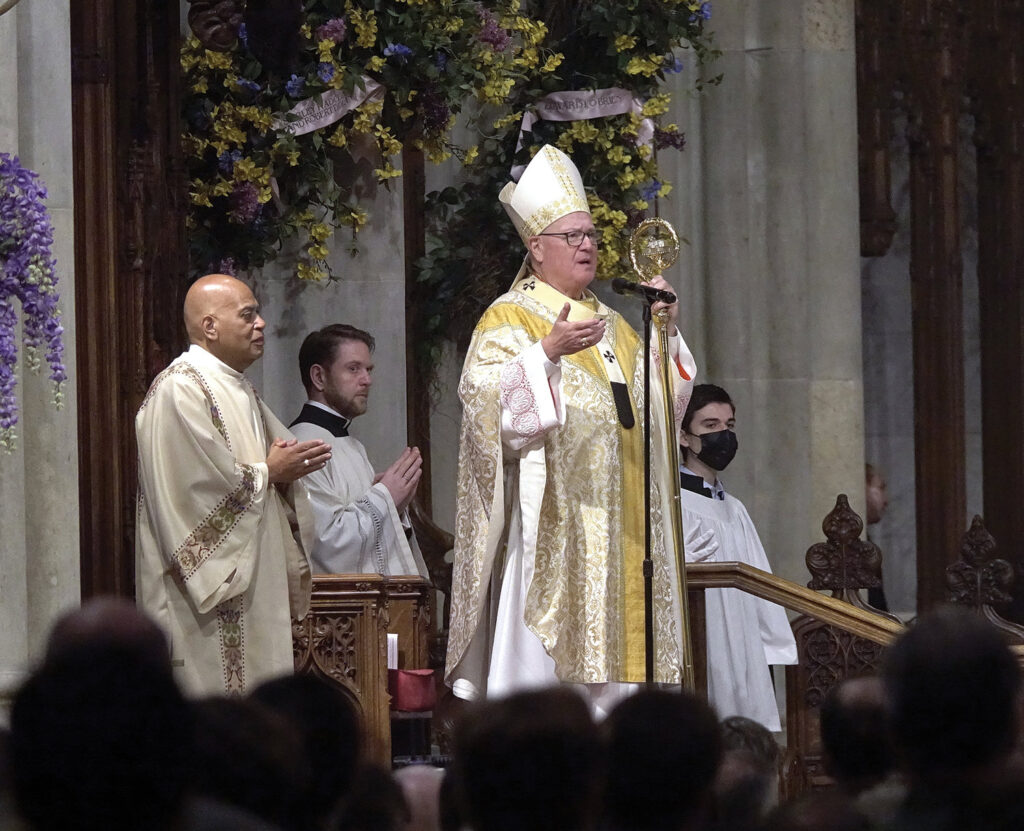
[358,527]
[219,562]
[744,633]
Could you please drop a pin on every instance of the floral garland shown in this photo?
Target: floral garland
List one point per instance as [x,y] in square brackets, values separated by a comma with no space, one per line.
[625,44]
[29,276]
[256,182]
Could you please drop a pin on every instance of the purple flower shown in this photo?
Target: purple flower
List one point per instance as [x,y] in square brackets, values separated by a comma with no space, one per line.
[226,160]
[673,65]
[703,13]
[434,108]
[650,191]
[668,138]
[243,35]
[399,51]
[333,30]
[295,86]
[227,266]
[325,71]
[491,33]
[28,274]
[245,203]
[245,85]
[441,61]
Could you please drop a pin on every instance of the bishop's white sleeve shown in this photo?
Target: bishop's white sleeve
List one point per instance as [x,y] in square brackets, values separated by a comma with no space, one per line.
[531,401]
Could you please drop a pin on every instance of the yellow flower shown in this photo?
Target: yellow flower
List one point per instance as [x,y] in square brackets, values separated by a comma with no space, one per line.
[553,62]
[618,155]
[643,66]
[338,138]
[364,22]
[624,42]
[308,271]
[200,86]
[319,231]
[506,120]
[387,172]
[386,141]
[656,106]
[471,155]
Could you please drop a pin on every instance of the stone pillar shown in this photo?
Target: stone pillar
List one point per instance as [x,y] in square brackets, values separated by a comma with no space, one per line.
[767,193]
[39,547]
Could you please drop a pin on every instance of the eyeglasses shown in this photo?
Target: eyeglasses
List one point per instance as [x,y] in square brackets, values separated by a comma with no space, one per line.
[575,238]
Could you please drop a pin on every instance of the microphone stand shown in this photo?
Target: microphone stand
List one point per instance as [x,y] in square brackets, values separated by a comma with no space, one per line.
[648,569]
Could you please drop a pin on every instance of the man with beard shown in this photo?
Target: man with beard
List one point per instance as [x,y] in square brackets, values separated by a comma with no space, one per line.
[362,519]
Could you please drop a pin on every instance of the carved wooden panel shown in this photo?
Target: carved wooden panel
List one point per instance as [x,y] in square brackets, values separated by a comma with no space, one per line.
[343,639]
[982,581]
[876,86]
[843,564]
[129,255]
[996,89]
[934,36]
[827,656]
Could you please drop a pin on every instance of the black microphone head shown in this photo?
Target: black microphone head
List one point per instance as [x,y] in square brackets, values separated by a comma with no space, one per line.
[619,285]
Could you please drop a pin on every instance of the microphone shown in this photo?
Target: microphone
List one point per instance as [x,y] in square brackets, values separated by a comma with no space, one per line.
[621,285]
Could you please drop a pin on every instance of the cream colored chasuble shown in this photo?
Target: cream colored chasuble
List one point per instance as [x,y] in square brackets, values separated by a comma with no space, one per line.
[550,498]
[218,564]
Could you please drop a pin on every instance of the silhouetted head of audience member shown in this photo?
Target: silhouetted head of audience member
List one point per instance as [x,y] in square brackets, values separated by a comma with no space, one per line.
[249,756]
[531,761]
[951,686]
[746,784]
[375,802]
[421,785]
[818,811]
[663,751]
[100,731]
[109,622]
[855,734]
[330,730]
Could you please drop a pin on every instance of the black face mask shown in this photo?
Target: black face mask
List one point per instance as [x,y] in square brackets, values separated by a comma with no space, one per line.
[717,449]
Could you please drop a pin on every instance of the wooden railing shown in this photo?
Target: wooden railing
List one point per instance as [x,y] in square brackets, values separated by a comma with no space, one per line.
[865,624]
[344,637]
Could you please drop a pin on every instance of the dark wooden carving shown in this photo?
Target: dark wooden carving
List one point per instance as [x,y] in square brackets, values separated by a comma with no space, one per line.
[343,639]
[876,83]
[215,22]
[996,89]
[981,580]
[934,35]
[129,256]
[843,564]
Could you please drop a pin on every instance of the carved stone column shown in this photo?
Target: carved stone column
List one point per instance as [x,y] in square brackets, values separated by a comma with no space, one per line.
[934,49]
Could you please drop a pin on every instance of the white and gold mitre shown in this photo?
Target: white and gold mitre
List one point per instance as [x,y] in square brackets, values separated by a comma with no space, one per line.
[549,188]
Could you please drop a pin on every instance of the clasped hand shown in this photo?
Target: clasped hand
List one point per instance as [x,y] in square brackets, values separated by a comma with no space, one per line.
[291,459]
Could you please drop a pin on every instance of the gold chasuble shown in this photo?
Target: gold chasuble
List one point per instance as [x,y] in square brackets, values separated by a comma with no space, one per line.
[549,472]
[219,563]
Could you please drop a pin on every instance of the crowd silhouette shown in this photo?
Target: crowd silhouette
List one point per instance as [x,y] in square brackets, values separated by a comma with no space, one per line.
[101,737]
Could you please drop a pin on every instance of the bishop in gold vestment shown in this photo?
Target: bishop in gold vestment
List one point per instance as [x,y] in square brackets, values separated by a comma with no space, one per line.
[549,546]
